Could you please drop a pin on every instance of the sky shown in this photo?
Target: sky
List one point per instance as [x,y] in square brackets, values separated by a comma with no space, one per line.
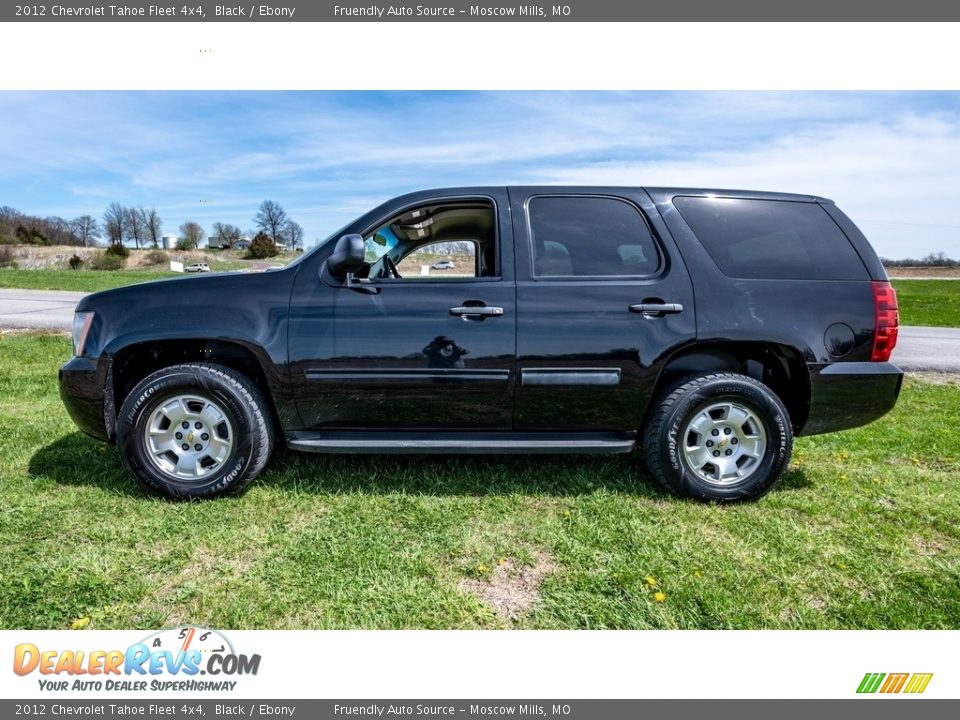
[890,160]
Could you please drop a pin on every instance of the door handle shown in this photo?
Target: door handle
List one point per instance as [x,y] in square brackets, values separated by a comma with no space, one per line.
[657,309]
[475,312]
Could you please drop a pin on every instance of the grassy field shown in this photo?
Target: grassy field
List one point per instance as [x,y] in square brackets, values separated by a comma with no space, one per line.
[79,280]
[864,532]
[929,302]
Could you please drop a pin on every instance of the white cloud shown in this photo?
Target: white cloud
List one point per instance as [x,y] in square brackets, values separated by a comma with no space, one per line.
[900,181]
[890,160]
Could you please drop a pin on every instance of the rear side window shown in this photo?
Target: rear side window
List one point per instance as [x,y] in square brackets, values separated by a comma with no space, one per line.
[772,239]
[576,236]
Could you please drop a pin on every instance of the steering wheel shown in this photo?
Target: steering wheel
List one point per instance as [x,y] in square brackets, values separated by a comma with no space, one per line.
[391,267]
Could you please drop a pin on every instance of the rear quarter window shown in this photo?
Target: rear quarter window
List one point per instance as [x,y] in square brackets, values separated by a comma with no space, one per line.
[771,239]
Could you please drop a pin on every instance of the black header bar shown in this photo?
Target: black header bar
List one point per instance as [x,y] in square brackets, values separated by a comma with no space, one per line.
[489,11]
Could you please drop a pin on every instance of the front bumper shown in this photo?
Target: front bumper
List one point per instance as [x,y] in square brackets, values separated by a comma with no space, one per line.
[86,395]
[850,394]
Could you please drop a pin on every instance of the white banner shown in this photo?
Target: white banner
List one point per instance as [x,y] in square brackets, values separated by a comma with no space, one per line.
[482,664]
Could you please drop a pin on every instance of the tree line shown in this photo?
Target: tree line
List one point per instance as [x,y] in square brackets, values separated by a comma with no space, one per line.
[939,259]
[141,227]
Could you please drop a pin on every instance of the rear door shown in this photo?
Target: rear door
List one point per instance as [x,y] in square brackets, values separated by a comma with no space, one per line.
[602,298]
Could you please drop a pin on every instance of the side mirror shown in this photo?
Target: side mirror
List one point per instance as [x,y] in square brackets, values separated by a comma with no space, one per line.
[347,256]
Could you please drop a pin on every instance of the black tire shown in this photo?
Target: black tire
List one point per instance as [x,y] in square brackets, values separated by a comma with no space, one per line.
[671,416]
[249,431]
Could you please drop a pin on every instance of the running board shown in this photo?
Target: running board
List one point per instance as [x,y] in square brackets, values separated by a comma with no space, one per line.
[460,443]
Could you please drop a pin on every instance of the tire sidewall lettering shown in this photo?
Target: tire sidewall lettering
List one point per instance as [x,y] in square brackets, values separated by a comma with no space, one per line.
[771,414]
[152,391]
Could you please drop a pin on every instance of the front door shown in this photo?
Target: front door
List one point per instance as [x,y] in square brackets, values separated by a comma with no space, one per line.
[426,339]
[602,297]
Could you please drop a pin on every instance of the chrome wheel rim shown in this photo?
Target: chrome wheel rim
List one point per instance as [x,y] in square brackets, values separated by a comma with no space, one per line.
[188,437]
[724,443]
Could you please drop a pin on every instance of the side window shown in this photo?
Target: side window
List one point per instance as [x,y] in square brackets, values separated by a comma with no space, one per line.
[771,239]
[579,236]
[457,258]
[438,241]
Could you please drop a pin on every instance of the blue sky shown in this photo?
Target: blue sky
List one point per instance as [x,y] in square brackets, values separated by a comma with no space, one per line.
[890,160]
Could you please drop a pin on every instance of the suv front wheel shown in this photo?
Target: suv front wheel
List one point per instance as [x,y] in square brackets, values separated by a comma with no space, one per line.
[194,430]
[718,437]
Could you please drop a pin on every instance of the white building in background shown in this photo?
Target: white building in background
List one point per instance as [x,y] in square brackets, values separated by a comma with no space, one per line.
[215,242]
[170,242]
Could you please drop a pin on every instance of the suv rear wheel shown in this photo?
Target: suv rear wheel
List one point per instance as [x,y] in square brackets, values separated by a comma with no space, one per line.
[719,437]
[194,431]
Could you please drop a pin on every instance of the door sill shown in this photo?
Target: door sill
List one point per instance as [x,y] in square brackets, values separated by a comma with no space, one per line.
[459,443]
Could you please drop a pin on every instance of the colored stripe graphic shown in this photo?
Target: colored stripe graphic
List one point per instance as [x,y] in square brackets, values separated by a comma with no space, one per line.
[870,682]
[894,683]
[918,683]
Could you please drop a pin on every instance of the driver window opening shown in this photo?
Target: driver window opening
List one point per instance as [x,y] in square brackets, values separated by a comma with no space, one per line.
[441,241]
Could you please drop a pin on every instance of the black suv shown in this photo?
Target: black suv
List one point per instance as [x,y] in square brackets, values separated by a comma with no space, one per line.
[706,328]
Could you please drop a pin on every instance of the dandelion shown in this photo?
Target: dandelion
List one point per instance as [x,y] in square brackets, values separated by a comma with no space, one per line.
[80,623]
[843,476]
[481,568]
[567,513]
[659,596]
[696,573]
[501,560]
[650,581]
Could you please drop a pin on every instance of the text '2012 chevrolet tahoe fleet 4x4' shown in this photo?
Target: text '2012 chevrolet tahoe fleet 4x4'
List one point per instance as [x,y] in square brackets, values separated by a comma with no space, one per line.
[703,328]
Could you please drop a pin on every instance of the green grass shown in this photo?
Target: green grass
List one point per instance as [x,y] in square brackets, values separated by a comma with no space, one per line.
[929,302]
[864,532]
[80,280]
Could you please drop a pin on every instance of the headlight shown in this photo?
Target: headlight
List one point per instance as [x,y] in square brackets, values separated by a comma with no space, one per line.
[81,327]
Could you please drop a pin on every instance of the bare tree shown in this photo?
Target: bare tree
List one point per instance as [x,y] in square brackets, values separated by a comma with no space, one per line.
[57,231]
[294,233]
[87,229]
[153,225]
[191,234]
[272,219]
[227,233]
[9,219]
[135,226]
[115,223]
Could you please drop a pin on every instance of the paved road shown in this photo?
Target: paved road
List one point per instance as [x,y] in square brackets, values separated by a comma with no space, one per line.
[919,348]
[928,348]
[42,309]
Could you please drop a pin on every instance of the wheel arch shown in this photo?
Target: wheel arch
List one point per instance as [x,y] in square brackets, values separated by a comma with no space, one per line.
[133,362]
[779,366]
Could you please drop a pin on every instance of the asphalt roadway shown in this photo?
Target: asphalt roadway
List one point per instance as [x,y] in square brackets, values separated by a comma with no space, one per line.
[919,348]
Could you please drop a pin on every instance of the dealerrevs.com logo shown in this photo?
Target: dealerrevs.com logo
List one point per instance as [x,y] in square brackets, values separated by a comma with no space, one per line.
[169,660]
[891,683]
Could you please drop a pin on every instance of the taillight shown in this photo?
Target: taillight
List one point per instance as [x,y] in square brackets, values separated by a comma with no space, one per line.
[887,321]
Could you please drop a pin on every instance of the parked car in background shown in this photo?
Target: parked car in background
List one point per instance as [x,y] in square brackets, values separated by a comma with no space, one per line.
[443,265]
[198,267]
[703,329]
